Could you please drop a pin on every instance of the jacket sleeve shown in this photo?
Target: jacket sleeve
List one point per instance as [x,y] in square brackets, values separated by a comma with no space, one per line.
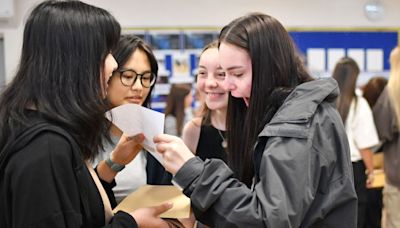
[220,200]
[44,190]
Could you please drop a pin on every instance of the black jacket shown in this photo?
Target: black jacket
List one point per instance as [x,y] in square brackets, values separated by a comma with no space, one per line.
[44,182]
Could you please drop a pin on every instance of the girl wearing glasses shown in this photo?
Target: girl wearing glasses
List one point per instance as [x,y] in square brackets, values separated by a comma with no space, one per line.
[131,83]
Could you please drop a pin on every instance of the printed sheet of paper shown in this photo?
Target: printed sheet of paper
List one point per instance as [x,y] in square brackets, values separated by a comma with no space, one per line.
[133,119]
[153,195]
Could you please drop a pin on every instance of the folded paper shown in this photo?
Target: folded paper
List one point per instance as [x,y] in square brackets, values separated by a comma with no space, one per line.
[133,119]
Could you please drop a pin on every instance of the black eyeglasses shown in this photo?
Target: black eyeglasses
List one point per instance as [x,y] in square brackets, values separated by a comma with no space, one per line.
[128,78]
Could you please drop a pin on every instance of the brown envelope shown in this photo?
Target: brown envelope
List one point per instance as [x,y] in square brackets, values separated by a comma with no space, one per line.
[153,195]
[379,179]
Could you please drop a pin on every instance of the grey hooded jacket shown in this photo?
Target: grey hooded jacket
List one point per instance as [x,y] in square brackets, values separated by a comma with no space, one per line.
[304,176]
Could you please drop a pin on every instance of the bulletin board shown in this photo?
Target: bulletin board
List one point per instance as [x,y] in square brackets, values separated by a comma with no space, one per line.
[367,46]
[177,51]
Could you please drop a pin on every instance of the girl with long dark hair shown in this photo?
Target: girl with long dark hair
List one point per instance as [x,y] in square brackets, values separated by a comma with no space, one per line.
[52,122]
[288,155]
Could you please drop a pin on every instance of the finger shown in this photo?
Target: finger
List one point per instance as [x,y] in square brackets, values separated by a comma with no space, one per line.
[139,138]
[162,208]
[163,138]
[161,147]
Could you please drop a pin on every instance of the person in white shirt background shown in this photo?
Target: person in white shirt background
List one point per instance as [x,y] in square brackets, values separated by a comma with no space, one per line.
[360,129]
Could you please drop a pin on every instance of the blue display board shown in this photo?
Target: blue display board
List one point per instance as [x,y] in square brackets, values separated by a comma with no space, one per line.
[385,40]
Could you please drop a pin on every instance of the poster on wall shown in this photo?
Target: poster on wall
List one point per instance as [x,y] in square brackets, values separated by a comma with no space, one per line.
[165,40]
[198,40]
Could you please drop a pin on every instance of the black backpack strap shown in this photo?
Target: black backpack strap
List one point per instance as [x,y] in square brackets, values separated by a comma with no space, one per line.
[21,140]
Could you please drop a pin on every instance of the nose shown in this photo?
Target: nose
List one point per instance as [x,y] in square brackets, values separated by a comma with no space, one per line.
[137,85]
[113,63]
[211,82]
[227,84]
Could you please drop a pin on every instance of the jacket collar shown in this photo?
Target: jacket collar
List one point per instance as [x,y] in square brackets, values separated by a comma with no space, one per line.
[303,101]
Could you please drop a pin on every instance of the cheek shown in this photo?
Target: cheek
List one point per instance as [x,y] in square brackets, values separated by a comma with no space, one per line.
[115,92]
[200,84]
[145,94]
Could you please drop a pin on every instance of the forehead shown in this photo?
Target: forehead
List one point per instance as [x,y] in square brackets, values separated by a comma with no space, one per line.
[138,60]
[209,57]
[232,56]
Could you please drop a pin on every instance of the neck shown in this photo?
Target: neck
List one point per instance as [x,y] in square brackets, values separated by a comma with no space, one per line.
[218,119]
[115,131]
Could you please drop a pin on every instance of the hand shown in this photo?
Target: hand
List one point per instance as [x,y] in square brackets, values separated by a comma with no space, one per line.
[174,151]
[127,149]
[150,216]
[370,180]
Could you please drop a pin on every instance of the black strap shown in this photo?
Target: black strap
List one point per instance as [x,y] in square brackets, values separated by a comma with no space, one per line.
[21,140]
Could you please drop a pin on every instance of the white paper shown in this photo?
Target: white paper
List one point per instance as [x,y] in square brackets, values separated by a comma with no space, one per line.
[358,55]
[133,119]
[316,59]
[374,60]
[334,55]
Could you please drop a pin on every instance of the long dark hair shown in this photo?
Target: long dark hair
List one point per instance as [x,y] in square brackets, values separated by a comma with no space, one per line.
[373,89]
[127,45]
[276,68]
[346,73]
[176,104]
[65,44]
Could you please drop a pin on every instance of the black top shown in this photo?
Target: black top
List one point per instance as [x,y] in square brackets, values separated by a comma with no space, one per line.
[45,183]
[210,143]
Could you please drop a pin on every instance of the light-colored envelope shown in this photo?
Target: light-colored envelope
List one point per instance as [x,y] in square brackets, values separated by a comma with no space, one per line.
[154,195]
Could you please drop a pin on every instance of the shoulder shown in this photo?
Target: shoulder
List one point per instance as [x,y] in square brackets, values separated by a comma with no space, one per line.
[191,133]
[362,104]
[45,147]
[193,127]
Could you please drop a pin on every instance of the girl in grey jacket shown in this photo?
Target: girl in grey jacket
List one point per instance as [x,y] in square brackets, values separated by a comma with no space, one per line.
[289,162]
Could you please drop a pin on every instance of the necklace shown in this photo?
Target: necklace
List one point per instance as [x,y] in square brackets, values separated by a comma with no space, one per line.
[224,143]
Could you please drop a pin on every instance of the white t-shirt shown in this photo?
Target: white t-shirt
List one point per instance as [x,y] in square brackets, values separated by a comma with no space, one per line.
[360,128]
[131,177]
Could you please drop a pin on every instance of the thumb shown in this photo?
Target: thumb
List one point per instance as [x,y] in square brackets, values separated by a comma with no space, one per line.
[162,208]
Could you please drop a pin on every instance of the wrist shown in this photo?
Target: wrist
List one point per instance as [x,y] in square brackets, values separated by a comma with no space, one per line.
[113,165]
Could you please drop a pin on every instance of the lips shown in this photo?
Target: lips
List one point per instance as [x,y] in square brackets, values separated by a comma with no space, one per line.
[134,99]
[215,94]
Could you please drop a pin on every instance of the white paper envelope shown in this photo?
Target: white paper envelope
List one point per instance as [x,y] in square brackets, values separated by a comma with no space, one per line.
[133,119]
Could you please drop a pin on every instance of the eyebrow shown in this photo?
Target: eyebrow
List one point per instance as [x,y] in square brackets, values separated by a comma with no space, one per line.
[234,67]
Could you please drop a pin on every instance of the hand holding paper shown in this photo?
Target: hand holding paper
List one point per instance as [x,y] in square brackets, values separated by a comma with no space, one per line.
[174,150]
[133,119]
[127,149]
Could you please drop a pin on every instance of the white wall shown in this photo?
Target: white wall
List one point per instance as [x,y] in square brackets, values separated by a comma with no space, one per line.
[192,13]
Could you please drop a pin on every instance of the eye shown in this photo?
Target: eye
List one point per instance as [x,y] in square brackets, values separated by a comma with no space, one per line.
[202,74]
[127,76]
[220,74]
